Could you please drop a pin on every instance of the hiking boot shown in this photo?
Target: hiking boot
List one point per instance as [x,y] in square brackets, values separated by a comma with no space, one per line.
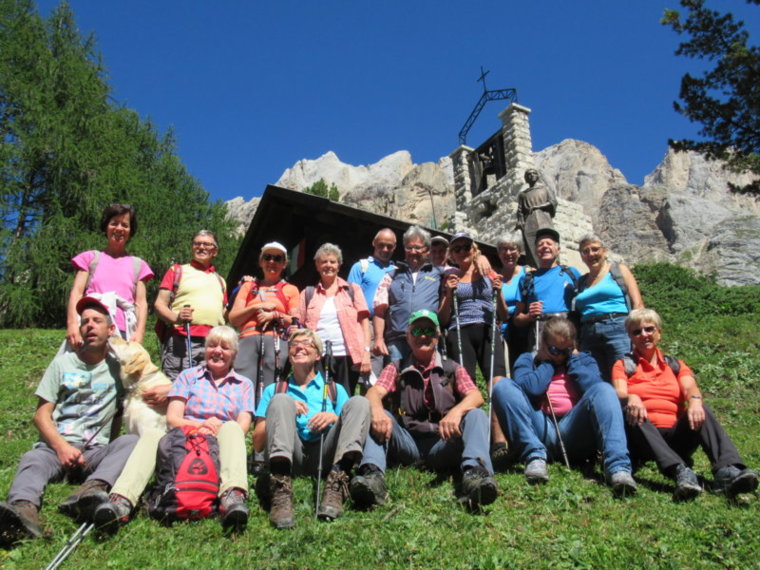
[478,487]
[535,471]
[18,520]
[233,510]
[281,498]
[110,516]
[368,487]
[336,491]
[687,484]
[622,484]
[501,455]
[733,481]
[81,504]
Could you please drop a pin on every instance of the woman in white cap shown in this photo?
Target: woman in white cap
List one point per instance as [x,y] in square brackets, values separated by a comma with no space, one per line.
[263,311]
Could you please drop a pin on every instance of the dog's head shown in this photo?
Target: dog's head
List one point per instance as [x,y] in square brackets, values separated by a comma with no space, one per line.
[132,357]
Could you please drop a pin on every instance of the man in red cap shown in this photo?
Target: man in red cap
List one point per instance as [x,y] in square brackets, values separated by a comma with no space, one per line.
[78,414]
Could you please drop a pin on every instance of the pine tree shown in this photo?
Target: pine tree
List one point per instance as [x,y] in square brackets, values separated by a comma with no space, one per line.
[726,98]
[67,151]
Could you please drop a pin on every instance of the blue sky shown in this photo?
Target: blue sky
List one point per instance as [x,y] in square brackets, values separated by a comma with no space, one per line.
[251,87]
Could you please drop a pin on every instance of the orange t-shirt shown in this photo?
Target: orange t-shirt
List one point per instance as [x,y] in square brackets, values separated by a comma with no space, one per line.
[659,389]
[268,295]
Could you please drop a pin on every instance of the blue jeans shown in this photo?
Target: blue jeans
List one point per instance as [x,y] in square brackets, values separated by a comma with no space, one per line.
[594,423]
[398,350]
[607,342]
[469,450]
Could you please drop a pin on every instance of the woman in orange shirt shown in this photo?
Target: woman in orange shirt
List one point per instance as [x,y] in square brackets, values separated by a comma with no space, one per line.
[666,419]
[263,310]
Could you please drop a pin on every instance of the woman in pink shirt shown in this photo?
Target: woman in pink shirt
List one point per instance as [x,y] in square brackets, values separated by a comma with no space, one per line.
[114,276]
[337,312]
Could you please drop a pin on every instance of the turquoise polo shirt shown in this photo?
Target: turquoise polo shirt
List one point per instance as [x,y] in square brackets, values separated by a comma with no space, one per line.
[312,394]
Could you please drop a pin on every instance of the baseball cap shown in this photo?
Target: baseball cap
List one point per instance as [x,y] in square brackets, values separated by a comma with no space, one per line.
[93,302]
[274,245]
[439,239]
[423,314]
[547,232]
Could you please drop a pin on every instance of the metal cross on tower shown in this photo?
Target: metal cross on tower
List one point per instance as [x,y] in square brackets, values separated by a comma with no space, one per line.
[488,95]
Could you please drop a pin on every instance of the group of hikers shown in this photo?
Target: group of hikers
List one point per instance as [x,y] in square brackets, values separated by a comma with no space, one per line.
[345,377]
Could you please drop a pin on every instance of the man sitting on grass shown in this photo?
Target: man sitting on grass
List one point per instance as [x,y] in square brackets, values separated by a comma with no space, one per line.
[438,419]
[77,413]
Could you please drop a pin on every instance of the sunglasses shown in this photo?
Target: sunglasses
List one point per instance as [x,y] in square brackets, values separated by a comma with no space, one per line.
[424,331]
[279,258]
[203,244]
[301,344]
[649,330]
[553,350]
[458,248]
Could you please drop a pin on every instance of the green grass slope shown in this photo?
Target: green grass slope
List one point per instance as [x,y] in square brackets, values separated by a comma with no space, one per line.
[573,521]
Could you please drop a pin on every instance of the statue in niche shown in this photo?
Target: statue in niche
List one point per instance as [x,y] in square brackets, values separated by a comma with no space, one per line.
[536,206]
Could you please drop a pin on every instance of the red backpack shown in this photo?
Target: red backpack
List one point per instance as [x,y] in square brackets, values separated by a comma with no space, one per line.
[187,476]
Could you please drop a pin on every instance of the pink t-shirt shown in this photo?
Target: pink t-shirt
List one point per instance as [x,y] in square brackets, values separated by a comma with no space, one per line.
[562,392]
[113,274]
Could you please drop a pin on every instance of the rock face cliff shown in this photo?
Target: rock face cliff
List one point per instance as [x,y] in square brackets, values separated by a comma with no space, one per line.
[683,213]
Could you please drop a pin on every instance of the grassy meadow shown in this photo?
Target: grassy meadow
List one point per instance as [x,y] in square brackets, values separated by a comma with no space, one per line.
[573,521]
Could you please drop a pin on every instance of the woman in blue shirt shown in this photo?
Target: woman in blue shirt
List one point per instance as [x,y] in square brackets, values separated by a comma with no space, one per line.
[508,248]
[607,293]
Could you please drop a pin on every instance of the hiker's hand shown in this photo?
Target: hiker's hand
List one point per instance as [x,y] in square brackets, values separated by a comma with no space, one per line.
[321,421]
[366,366]
[156,397]
[301,407]
[263,318]
[452,282]
[70,457]
[535,309]
[211,425]
[137,337]
[266,307]
[635,412]
[74,338]
[497,282]
[381,427]
[379,348]
[696,414]
[185,315]
[448,427]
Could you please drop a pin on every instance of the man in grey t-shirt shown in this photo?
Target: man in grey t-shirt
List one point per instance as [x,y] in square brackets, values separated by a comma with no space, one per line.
[78,415]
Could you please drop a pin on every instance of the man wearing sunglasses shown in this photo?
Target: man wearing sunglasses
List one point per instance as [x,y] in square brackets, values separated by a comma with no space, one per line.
[437,418]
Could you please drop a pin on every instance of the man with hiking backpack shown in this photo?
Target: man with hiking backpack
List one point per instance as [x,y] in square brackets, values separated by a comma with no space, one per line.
[437,419]
[368,272]
[302,423]
[546,291]
[78,416]
[191,301]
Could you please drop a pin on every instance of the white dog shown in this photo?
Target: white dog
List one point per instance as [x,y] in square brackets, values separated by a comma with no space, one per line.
[138,374]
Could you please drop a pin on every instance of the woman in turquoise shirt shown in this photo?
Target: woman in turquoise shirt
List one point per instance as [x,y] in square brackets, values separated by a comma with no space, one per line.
[607,293]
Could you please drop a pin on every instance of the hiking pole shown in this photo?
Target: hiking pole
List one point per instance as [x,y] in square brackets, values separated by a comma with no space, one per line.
[490,374]
[189,344]
[559,435]
[328,360]
[73,541]
[459,328]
